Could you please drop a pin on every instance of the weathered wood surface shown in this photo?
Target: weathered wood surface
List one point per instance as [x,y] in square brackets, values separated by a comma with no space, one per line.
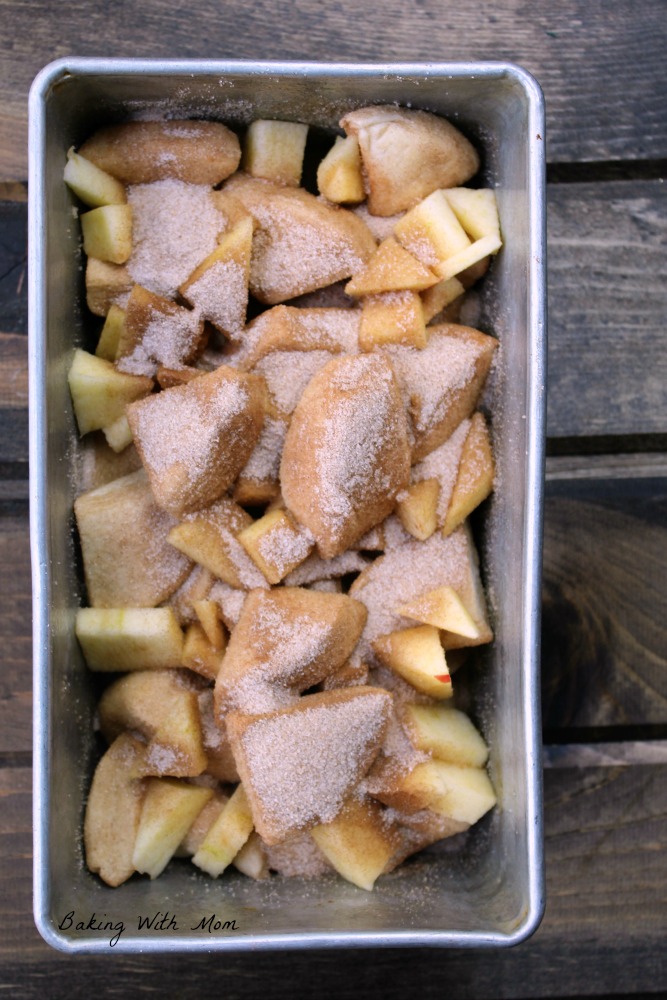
[605,700]
[607,251]
[604,607]
[606,884]
[15,629]
[602,72]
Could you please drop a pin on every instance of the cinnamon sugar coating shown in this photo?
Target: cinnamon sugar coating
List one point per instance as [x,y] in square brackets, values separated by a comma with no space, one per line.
[285,641]
[346,454]
[300,244]
[300,764]
[142,152]
[194,439]
[408,154]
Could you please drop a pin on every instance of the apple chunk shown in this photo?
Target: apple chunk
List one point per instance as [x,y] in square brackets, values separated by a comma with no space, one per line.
[339,177]
[112,811]
[100,392]
[170,808]
[447,733]
[444,609]
[417,508]
[227,835]
[276,544]
[129,638]
[274,150]
[107,233]
[416,654]
[474,481]
[95,187]
[358,843]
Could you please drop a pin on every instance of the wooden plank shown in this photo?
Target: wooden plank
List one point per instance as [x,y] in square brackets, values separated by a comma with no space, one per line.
[604,608]
[603,932]
[603,77]
[623,754]
[13,266]
[15,629]
[607,250]
[13,371]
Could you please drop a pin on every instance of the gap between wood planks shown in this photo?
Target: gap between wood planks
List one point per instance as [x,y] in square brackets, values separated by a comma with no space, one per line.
[599,171]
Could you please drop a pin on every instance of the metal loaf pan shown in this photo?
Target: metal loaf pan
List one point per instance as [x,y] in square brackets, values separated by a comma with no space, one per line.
[490,892]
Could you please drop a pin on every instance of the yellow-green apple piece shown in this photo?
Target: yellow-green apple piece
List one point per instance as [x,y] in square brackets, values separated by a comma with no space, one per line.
[140,701]
[447,733]
[274,150]
[198,653]
[392,318]
[105,284]
[476,210]
[107,233]
[443,608]
[417,508]
[114,639]
[339,177]
[209,539]
[109,342]
[468,795]
[465,258]
[359,843]
[412,791]
[417,655]
[432,232]
[170,807]
[118,434]
[251,859]
[218,286]
[391,268]
[94,186]
[127,559]
[197,832]
[276,544]
[177,749]
[435,299]
[474,481]
[112,811]
[226,836]
[100,392]
[208,613]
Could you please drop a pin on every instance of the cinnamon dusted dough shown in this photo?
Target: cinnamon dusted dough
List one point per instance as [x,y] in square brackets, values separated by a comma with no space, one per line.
[299,765]
[346,454]
[285,641]
[194,439]
[300,243]
[142,152]
[408,154]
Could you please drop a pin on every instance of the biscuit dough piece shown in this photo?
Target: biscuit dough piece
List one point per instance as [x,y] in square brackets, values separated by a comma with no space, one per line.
[158,332]
[286,640]
[141,152]
[442,382]
[288,328]
[346,453]
[299,765]
[194,439]
[300,243]
[126,557]
[408,154]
